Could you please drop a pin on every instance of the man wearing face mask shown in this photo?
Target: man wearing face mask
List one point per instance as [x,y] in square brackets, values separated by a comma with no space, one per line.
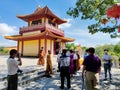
[107,64]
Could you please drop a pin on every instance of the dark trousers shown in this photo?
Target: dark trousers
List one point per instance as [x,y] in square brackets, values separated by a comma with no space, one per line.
[75,65]
[107,68]
[59,67]
[65,72]
[12,82]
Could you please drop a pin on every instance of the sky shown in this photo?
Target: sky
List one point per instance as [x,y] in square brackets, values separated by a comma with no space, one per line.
[74,28]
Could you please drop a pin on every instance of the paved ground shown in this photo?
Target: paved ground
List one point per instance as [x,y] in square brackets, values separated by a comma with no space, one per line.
[76,82]
[54,82]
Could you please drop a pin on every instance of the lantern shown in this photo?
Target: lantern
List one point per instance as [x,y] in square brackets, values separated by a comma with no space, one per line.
[114,11]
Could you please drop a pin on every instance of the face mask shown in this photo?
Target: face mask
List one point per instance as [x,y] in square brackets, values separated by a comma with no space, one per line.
[105,52]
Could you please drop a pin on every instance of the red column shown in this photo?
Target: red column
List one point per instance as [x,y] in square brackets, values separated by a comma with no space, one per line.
[51,45]
[22,47]
[18,45]
[45,45]
[39,45]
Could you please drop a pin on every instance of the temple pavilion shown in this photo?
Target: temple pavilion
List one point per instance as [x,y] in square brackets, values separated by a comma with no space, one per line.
[42,31]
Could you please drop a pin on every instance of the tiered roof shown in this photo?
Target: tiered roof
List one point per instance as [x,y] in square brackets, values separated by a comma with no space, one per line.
[41,12]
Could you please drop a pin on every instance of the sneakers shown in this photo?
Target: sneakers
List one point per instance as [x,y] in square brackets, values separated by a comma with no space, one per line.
[61,87]
[105,79]
[110,78]
[69,88]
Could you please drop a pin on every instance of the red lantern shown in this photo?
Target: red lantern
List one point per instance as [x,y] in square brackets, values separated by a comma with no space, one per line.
[114,11]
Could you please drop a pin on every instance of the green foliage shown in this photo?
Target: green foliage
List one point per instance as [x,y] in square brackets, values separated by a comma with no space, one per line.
[95,10]
[113,50]
[84,48]
[70,46]
[3,51]
[117,50]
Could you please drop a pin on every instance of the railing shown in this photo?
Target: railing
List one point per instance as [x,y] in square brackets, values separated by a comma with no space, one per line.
[41,27]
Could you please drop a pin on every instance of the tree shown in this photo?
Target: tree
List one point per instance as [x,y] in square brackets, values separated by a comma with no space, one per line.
[3,51]
[96,10]
[117,50]
[71,46]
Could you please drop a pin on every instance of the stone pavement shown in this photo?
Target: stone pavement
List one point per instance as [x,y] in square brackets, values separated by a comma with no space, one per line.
[54,82]
[76,82]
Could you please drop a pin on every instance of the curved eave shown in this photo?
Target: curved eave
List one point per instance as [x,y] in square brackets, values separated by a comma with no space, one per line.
[63,38]
[23,17]
[27,18]
[43,12]
[12,37]
[46,33]
[19,37]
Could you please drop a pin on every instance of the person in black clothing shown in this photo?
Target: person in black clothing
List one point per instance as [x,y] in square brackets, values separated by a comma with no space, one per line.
[64,69]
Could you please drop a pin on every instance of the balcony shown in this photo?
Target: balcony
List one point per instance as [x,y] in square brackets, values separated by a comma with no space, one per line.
[43,26]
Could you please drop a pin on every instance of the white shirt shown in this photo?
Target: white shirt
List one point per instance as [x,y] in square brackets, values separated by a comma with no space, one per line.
[106,58]
[75,57]
[58,57]
[12,66]
[64,61]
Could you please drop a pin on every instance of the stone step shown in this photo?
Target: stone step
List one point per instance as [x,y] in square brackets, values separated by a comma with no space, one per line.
[26,77]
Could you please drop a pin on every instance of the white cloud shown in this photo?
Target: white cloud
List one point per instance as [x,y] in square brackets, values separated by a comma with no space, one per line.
[8,43]
[66,25]
[6,29]
[84,38]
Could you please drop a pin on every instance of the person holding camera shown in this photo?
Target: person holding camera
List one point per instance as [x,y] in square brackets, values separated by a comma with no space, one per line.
[12,65]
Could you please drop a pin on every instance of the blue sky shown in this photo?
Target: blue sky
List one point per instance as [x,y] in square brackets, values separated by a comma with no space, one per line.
[74,28]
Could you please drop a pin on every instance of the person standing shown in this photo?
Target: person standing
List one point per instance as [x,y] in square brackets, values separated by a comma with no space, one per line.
[72,70]
[91,70]
[12,65]
[107,64]
[64,69]
[41,60]
[58,57]
[86,53]
[78,61]
[49,69]
[75,61]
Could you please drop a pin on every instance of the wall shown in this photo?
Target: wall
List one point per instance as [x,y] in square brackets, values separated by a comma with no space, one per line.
[30,48]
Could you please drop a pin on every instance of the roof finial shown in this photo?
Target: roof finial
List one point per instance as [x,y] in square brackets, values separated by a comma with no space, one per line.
[39,6]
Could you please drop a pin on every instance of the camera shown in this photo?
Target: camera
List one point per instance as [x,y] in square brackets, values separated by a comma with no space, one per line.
[19,71]
[18,55]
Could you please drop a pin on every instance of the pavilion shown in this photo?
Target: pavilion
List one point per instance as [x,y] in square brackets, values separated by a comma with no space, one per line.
[42,31]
